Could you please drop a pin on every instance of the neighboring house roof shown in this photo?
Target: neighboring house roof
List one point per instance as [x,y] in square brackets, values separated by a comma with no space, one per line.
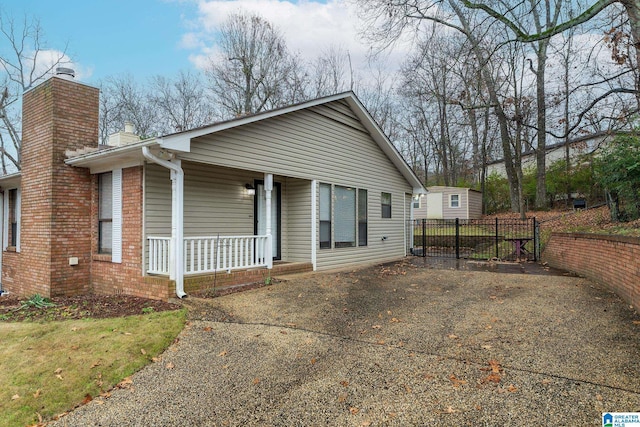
[130,155]
[440,188]
[573,141]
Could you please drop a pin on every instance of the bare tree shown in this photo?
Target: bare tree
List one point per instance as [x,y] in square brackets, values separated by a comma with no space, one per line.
[247,74]
[24,62]
[123,99]
[181,103]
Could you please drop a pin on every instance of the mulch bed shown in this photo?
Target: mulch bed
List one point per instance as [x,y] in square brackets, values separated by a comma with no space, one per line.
[13,309]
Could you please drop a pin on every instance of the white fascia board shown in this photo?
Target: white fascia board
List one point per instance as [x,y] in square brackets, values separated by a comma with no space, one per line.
[110,158]
[176,142]
[10,181]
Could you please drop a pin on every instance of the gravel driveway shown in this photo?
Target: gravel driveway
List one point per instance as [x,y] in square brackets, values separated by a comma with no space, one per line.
[392,345]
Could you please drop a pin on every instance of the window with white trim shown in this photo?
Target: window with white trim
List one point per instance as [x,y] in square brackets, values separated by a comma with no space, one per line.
[385,205]
[105,213]
[416,202]
[362,217]
[110,214]
[454,200]
[11,226]
[325,216]
[343,216]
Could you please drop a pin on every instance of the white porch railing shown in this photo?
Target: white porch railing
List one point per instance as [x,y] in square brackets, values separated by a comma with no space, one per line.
[159,254]
[206,254]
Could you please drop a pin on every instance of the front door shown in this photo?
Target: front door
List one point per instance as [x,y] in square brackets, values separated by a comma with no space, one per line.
[260,227]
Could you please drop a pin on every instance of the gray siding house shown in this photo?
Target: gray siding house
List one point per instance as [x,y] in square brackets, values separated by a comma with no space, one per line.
[448,203]
[315,183]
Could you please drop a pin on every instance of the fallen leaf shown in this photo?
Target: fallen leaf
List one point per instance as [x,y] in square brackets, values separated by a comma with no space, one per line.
[395,320]
[354,410]
[512,388]
[636,322]
[376,327]
[491,378]
[95,364]
[125,383]
[222,353]
[170,365]
[99,402]
[344,383]
[37,393]
[74,329]
[143,351]
[407,389]
[155,359]
[58,371]
[256,381]
[313,361]
[283,332]
[207,328]
[381,342]
[453,336]
[450,410]
[59,377]
[87,399]
[15,397]
[456,382]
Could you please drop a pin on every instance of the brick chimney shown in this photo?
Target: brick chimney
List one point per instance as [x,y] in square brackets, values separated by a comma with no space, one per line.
[58,115]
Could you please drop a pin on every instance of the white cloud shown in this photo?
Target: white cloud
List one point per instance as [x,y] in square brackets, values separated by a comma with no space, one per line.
[309,27]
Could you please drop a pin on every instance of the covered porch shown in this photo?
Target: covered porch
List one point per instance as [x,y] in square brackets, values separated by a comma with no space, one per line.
[235,225]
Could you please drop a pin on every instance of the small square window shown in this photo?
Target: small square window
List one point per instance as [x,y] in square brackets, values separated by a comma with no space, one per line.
[385,199]
[454,201]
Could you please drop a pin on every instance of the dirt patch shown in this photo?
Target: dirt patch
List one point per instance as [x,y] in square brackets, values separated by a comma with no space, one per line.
[13,309]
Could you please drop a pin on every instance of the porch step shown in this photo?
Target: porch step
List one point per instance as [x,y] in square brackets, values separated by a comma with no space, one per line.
[240,280]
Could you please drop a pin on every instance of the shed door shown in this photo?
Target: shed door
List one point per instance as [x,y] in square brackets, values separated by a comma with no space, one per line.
[434,205]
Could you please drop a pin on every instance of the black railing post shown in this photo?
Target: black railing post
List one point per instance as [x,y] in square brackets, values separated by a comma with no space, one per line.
[497,236]
[457,238]
[535,240]
[424,237]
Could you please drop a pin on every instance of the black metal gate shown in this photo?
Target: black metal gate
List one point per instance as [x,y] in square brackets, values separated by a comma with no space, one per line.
[504,239]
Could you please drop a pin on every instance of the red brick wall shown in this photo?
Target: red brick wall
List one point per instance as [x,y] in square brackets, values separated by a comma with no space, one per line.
[613,261]
[126,277]
[55,216]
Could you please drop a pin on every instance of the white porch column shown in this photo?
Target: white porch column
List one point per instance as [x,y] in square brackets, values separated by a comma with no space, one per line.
[177,226]
[314,221]
[176,254]
[268,187]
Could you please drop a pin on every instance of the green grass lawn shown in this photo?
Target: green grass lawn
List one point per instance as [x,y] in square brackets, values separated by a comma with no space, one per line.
[49,368]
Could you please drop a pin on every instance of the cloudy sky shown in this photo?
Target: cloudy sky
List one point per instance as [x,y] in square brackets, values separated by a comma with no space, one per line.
[149,37]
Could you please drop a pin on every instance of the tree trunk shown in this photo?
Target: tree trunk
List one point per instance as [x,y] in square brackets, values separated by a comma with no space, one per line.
[541,118]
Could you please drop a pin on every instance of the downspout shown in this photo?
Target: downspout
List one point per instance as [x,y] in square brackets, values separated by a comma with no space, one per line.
[177,214]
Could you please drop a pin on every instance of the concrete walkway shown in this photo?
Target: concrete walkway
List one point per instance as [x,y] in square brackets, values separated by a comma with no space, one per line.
[391,346]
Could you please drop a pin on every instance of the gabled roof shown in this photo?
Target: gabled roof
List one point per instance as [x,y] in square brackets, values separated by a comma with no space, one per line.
[181,141]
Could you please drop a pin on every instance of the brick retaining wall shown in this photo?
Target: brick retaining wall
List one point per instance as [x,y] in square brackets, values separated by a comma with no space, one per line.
[613,261]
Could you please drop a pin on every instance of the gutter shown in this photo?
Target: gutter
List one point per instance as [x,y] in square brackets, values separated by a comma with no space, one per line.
[176,263]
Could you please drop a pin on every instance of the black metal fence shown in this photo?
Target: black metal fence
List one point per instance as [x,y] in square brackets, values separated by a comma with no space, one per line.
[504,239]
